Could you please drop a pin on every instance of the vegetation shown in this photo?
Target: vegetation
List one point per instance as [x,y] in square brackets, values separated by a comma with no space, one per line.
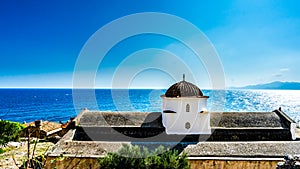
[9,131]
[7,149]
[136,157]
[2,150]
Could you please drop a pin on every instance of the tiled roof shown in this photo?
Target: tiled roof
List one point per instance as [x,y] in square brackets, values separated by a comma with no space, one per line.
[47,126]
[218,119]
[183,89]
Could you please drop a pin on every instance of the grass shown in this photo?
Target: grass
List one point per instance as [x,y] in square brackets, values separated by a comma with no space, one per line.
[20,153]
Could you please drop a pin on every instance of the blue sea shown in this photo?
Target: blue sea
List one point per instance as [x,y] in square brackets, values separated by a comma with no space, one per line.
[26,105]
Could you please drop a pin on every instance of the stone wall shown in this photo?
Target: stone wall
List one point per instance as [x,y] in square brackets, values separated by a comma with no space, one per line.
[71,163]
[91,163]
[229,164]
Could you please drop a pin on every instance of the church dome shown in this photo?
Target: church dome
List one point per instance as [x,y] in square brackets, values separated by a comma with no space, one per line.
[183,89]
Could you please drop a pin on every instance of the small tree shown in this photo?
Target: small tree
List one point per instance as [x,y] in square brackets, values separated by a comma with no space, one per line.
[136,157]
[9,131]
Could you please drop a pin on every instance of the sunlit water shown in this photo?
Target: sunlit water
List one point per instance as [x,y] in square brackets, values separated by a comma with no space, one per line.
[58,104]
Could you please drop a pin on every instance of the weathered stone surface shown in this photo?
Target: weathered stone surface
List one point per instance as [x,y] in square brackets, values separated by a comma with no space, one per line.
[233,163]
[267,149]
[226,126]
[153,119]
[135,119]
[244,149]
[245,120]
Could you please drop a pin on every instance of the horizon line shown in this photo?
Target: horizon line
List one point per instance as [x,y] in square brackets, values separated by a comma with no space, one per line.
[92,88]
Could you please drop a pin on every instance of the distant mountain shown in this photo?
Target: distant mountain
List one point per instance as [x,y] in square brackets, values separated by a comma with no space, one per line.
[275,85]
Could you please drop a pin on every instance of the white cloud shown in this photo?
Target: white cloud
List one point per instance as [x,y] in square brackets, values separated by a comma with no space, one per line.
[284,70]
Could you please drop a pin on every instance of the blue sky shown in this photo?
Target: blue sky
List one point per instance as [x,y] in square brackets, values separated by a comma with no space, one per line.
[257,41]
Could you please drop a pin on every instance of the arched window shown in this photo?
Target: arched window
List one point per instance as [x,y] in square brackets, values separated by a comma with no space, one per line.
[187,108]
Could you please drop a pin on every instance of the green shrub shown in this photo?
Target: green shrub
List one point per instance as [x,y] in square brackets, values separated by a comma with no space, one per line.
[9,131]
[2,150]
[136,157]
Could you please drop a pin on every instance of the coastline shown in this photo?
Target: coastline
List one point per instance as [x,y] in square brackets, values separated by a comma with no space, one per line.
[58,104]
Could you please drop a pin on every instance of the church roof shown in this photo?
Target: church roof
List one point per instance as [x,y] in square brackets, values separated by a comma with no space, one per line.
[226,126]
[226,120]
[183,89]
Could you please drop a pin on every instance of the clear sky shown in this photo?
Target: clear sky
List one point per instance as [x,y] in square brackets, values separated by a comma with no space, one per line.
[257,41]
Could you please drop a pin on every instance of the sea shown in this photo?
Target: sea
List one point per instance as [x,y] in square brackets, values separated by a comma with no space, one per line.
[27,105]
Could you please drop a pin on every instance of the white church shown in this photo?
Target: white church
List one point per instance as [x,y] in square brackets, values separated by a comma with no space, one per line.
[184,110]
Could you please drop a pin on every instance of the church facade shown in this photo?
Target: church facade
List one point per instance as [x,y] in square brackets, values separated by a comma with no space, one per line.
[184,110]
